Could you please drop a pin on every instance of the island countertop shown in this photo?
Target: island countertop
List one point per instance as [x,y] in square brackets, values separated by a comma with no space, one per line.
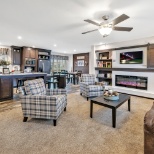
[14,75]
[6,82]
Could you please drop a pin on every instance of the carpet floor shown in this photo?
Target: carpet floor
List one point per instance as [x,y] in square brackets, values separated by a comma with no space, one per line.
[76,132]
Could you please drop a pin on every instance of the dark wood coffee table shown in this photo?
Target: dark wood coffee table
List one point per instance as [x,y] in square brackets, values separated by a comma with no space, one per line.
[110,104]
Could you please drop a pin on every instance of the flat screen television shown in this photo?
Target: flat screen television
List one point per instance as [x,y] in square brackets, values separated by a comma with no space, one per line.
[135,57]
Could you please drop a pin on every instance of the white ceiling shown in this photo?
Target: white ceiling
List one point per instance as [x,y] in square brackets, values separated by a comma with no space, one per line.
[43,23]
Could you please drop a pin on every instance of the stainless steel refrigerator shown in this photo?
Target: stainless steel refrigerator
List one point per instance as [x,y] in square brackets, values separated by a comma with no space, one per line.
[44,66]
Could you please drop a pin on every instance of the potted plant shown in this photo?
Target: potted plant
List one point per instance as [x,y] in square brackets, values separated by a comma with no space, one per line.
[4,63]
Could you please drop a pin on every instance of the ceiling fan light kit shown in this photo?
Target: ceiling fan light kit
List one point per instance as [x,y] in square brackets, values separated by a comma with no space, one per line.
[105,29]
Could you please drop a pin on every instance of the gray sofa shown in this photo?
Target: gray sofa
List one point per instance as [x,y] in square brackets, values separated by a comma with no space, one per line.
[149,132]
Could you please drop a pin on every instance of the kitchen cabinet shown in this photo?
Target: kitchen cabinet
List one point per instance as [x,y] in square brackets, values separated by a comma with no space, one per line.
[150,57]
[6,83]
[6,87]
[16,55]
[29,52]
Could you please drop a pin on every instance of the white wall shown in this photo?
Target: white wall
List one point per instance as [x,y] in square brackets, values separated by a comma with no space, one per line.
[116,58]
[92,60]
[116,64]
[146,93]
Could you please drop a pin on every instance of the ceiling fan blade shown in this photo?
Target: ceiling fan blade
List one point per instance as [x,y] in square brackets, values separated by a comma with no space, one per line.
[128,29]
[92,22]
[120,19]
[89,31]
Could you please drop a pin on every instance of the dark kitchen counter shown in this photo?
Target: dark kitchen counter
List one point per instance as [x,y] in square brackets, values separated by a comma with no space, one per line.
[6,82]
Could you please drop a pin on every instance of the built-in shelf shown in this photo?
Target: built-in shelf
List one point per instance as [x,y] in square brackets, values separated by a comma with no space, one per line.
[104,78]
[104,59]
[126,69]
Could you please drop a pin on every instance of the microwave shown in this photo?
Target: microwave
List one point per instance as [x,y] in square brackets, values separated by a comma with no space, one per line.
[29,61]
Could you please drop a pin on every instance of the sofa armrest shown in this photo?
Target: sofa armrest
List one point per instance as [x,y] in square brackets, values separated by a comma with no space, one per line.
[38,99]
[42,106]
[50,92]
[149,121]
[84,84]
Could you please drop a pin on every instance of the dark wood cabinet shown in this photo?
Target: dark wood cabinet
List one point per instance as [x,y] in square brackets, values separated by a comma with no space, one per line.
[29,53]
[33,53]
[26,52]
[82,58]
[6,87]
[150,57]
[16,55]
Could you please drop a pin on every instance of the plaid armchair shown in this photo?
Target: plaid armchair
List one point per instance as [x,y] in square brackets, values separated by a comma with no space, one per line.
[88,86]
[39,102]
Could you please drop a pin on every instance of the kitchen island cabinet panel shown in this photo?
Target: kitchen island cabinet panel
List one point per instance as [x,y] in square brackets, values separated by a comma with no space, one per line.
[6,83]
[6,88]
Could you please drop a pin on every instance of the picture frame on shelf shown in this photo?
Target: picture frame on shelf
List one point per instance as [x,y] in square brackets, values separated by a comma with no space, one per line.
[6,71]
[99,64]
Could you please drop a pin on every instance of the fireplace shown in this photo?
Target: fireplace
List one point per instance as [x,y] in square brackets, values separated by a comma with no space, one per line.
[136,82]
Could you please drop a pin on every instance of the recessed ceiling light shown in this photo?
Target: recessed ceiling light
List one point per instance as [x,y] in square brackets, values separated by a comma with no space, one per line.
[74,50]
[64,51]
[33,46]
[100,43]
[19,37]
[55,45]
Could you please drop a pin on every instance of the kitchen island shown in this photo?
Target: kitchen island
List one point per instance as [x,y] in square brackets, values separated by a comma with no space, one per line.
[6,83]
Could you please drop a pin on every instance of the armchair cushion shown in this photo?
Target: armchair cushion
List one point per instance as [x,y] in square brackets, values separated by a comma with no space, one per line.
[88,78]
[42,106]
[56,92]
[94,88]
[35,87]
[88,86]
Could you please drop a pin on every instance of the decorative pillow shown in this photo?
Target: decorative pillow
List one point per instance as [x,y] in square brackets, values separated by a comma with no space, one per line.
[88,78]
[35,87]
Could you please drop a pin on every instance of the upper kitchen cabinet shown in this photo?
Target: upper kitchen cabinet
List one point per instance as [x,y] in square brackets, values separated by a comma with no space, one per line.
[16,55]
[29,58]
[30,53]
[150,56]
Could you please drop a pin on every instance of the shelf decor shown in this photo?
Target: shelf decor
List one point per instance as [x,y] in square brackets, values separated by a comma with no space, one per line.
[6,71]
[4,63]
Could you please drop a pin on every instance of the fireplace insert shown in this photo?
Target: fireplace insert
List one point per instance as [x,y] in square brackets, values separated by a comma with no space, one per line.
[136,82]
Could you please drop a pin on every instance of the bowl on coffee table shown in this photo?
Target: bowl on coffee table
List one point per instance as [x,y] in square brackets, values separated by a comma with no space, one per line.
[111,95]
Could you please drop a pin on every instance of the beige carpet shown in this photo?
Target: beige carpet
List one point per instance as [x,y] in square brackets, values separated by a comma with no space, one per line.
[76,132]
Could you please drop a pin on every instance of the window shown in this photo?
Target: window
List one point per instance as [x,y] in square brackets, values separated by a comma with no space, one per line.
[58,63]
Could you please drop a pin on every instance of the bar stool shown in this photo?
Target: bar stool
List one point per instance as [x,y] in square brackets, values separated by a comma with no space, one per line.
[53,81]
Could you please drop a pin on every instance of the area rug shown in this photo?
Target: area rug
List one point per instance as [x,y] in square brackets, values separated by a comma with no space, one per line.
[76,132]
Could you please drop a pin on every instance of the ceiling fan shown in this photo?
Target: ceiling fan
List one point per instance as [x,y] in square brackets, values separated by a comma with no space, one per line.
[106,27]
